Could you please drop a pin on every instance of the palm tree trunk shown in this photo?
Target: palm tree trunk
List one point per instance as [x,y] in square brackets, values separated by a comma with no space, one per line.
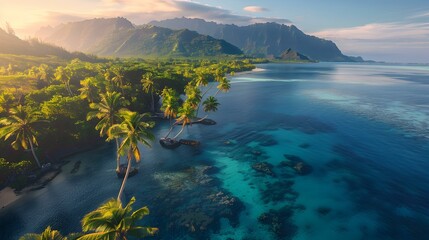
[181,130]
[216,93]
[202,119]
[169,131]
[202,96]
[153,103]
[121,190]
[34,153]
[118,156]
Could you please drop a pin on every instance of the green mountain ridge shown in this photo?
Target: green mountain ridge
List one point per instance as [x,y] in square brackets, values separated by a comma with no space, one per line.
[291,55]
[120,38]
[11,44]
[263,39]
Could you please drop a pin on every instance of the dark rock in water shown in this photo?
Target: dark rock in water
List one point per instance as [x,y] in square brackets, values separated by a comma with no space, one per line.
[268,142]
[302,168]
[324,210]
[256,152]
[209,170]
[192,203]
[278,192]
[279,222]
[76,167]
[304,145]
[297,164]
[293,158]
[264,167]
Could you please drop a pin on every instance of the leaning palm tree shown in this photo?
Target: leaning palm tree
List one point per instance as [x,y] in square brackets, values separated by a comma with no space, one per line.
[107,110]
[20,124]
[111,221]
[224,85]
[49,234]
[186,114]
[210,105]
[170,105]
[133,130]
[149,87]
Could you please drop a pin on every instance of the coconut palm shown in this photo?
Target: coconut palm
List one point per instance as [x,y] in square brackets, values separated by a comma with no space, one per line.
[133,130]
[186,114]
[210,105]
[89,89]
[224,85]
[170,105]
[149,87]
[7,100]
[21,123]
[111,221]
[64,75]
[118,77]
[107,110]
[193,94]
[49,234]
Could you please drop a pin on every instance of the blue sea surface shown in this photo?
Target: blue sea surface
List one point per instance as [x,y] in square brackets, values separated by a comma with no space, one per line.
[361,131]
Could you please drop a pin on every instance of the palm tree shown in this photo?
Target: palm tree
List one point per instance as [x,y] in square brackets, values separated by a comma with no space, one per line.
[186,114]
[49,234]
[149,87]
[210,105]
[133,130]
[107,110]
[170,105]
[89,89]
[118,77]
[21,124]
[64,75]
[193,94]
[7,100]
[111,221]
[224,85]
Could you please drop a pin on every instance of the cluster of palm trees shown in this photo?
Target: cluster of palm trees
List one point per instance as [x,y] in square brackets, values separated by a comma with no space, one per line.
[187,112]
[127,128]
[103,86]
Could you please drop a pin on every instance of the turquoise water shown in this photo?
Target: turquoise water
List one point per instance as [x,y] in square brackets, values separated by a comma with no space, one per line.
[363,129]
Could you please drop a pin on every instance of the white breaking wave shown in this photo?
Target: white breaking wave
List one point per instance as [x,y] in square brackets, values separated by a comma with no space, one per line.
[245,79]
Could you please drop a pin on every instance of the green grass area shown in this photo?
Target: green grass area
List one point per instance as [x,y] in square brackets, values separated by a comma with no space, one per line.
[22,62]
[17,82]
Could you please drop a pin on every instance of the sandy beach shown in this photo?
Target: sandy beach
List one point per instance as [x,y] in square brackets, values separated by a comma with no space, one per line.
[7,196]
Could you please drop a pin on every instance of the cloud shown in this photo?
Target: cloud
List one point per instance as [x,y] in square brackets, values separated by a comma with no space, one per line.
[255,9]
[420,15]
[397,41]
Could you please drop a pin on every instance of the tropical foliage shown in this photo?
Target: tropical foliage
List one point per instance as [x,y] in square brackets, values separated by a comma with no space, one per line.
[112,221]
[21,124]
[133,130]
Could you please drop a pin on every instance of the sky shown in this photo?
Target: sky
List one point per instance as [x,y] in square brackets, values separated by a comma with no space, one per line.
[381,30]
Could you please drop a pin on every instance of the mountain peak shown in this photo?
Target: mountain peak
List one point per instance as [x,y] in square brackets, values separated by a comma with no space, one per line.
[262,39]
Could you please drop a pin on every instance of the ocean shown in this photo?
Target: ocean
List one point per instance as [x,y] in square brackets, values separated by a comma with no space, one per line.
[299,151]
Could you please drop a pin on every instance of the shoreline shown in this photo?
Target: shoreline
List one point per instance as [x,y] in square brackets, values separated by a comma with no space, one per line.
[8,195]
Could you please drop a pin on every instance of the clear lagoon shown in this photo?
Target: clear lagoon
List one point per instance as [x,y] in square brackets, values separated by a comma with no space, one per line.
[361,129]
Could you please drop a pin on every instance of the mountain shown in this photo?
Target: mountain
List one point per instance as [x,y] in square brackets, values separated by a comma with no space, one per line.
[119,37]
[262,39]
[11,44]
[291,55]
